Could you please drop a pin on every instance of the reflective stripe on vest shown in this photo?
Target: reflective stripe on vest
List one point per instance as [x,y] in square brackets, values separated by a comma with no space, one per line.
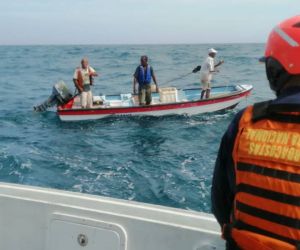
[267,167]
[144,77]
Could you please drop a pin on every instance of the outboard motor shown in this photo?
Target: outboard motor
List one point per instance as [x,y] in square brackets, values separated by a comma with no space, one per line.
[60,95]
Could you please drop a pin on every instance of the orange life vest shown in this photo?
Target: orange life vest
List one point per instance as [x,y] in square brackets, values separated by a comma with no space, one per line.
[267,166]
[80,77]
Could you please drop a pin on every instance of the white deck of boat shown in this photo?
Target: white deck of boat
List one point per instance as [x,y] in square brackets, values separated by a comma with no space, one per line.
[45,219]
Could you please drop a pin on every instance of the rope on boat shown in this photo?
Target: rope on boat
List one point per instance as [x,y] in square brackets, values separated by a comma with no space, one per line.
[195,70]
[177,78]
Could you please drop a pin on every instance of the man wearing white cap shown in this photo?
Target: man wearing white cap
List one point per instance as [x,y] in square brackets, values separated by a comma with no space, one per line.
[207,70]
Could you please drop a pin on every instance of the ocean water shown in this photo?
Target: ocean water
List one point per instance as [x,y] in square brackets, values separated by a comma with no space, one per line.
[167,160]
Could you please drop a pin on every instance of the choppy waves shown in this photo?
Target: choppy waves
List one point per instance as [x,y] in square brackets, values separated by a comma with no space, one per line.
[167,160]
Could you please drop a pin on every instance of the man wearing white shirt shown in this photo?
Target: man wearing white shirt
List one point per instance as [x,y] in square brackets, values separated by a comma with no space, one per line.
[207,70]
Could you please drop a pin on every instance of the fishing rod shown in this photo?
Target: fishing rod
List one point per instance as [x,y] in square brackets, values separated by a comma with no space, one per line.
[195,70]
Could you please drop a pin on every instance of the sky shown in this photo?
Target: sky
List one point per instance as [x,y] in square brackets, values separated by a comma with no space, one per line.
[24,22]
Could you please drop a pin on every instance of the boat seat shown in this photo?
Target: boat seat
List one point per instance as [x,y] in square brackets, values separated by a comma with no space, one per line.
[168,95]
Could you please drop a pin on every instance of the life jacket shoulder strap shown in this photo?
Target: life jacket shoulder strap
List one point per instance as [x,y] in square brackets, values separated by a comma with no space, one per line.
[285,107]
[260,110]
[277,112]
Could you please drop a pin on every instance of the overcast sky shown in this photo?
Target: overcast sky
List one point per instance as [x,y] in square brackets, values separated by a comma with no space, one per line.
[140,21]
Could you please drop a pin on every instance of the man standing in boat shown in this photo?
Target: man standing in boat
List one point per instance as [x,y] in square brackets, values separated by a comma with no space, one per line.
[143,74]
[256,182]
[83,80]
[207,70]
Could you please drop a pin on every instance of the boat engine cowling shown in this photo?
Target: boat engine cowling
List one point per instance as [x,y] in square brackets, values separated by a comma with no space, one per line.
[60,95]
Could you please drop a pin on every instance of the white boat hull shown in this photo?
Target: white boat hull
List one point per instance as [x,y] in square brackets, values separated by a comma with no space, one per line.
[181,108]
[44,219]
[180,111]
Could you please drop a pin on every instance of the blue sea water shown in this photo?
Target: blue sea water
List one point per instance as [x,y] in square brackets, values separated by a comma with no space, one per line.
[167,160]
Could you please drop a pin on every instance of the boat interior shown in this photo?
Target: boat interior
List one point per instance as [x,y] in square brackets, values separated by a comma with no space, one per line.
[166,95]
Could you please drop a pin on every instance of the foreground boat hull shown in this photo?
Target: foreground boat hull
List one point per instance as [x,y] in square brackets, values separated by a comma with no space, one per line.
[45,219]
[179,108]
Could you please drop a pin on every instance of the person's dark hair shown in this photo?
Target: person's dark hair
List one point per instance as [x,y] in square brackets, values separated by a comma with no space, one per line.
[144,57]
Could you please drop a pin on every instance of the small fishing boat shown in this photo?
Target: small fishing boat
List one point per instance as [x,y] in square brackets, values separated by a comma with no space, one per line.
[169,101]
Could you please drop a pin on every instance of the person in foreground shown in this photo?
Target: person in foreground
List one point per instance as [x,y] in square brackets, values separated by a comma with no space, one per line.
[143,74]
[256,182]
[83,79]
[207,70]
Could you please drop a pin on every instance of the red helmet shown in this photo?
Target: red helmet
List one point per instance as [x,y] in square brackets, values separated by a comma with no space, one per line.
[284,45]
[282,55]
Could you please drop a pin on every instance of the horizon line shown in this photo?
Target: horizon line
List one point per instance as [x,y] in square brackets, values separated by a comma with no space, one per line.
[124,44]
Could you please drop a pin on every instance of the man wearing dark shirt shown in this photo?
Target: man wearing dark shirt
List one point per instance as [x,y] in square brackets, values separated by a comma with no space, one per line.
[143,74]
